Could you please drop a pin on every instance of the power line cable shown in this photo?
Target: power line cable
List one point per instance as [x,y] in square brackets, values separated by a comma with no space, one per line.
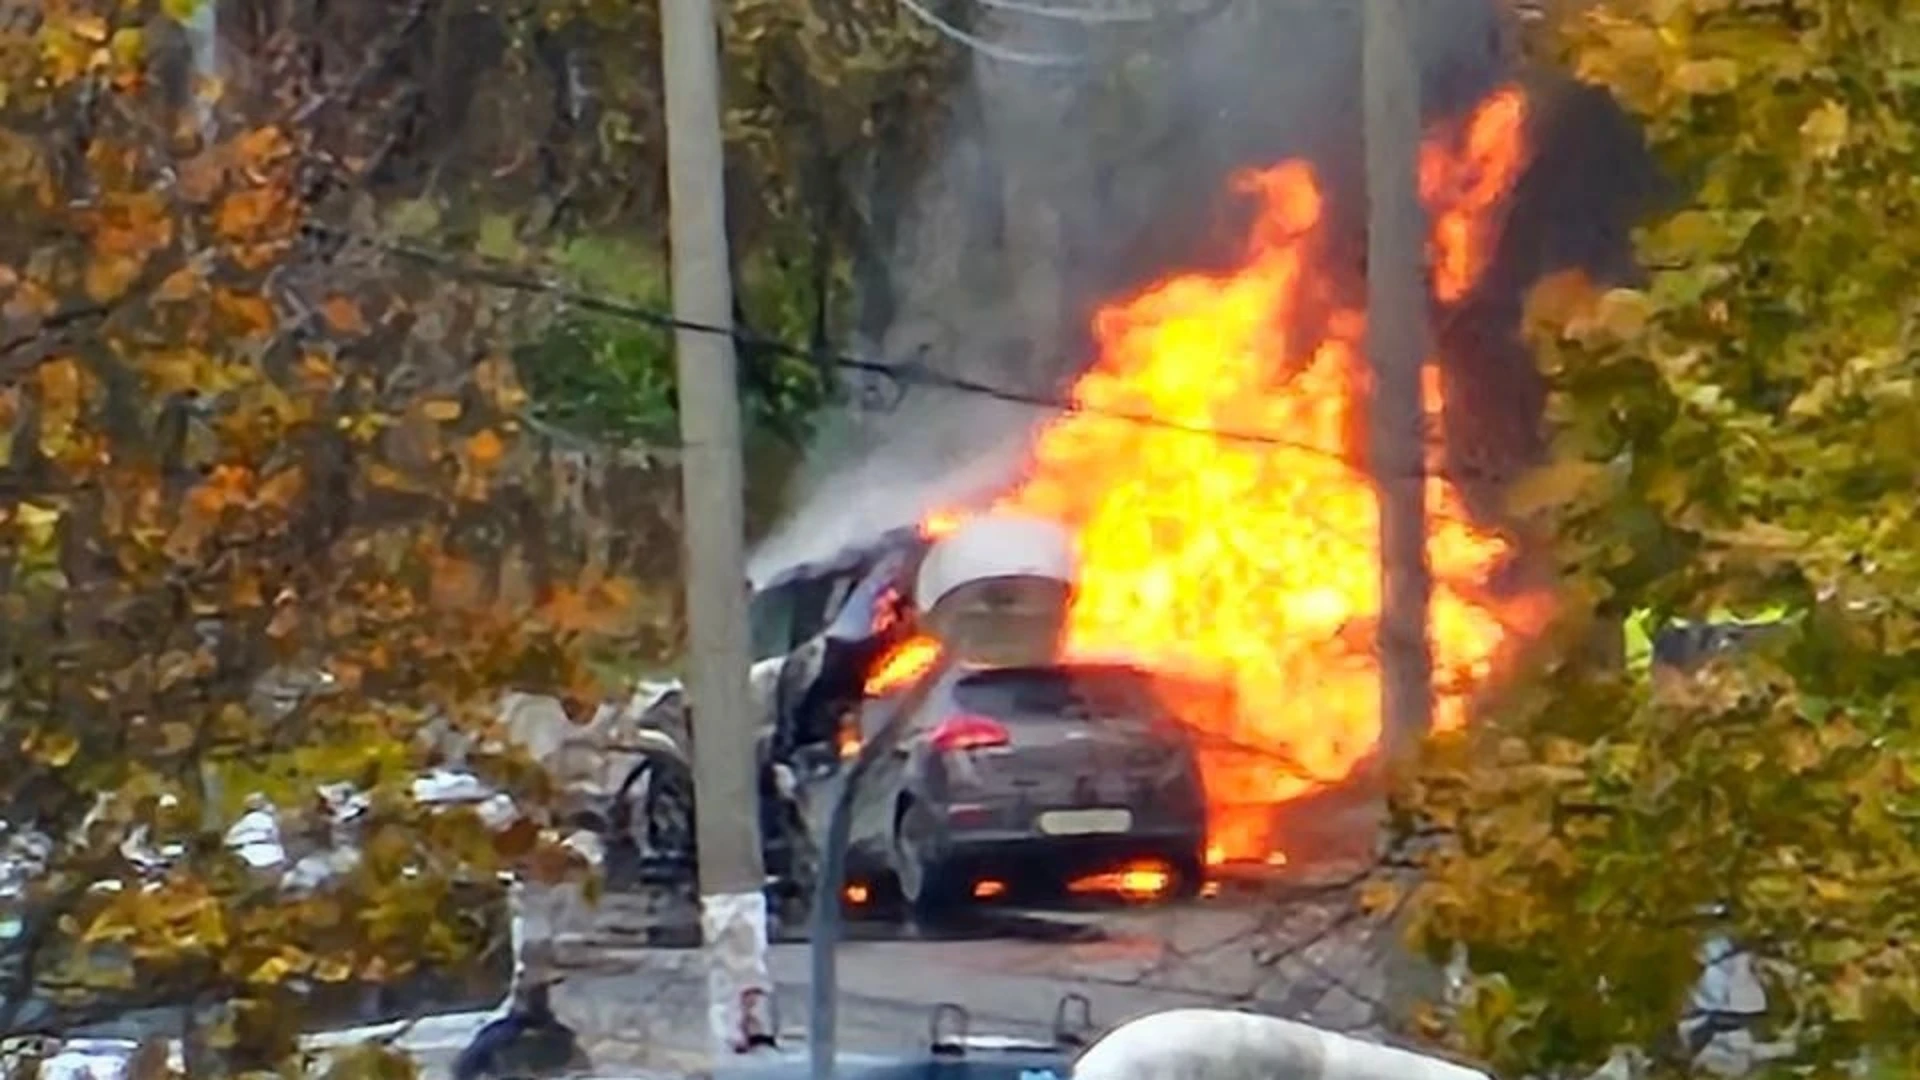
[1085,16]
[987,48]
[911,373]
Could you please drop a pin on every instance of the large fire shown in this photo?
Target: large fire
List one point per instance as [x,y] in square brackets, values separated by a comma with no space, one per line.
[1252,556]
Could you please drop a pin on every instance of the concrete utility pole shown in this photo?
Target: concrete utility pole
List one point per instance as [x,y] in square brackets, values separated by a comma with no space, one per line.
[733,906]
[1397,349]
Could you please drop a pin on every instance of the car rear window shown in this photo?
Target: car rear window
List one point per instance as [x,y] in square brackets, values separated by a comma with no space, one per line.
[1009,691]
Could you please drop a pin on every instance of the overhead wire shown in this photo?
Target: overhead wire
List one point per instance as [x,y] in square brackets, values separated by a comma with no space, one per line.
[987,48]
[906,374]
[1074,14]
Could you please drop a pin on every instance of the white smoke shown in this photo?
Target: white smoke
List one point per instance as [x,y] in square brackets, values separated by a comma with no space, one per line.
[961,450]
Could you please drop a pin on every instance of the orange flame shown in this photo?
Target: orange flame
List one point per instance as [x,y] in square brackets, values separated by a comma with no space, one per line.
[902,665]
[1255,560]
[940,523]
[1136,881]
[1463,183]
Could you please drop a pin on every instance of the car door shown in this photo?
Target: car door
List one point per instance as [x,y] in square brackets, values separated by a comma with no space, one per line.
[872,827]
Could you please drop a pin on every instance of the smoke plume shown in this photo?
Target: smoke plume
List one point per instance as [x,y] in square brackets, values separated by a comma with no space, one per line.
[1065,184]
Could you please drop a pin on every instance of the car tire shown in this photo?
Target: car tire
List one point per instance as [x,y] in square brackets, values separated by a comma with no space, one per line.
[1189,878]
[651,832]
[930,889]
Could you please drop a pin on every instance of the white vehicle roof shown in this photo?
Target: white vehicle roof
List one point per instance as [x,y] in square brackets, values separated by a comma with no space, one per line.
[999,546]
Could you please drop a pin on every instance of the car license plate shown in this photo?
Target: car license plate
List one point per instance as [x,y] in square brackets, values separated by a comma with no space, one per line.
[1084,822]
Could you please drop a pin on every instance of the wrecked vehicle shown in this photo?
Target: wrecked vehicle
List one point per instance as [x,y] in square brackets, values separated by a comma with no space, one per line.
[647,819]
[1017,775]
[817,629]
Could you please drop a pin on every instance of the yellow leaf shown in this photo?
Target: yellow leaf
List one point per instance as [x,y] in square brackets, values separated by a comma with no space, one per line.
[1703,78]
[1831,890]
[317,373]
[54,749]
[261,146]
[1622,314]
[333,969]
[128,47]
[184,542]
[250,313]
[1802,752]
[179,285]
[109,925]
[37,524]
[282,488]
[175,737]
[1558,299]
[456,583]
[91,29]
[496,379]
[1761,537]
[390,478]
[245,214]
[61,382]
[1825,130]
[1848,996]
[109,276]
[179,370]
[274,969]
[442,410]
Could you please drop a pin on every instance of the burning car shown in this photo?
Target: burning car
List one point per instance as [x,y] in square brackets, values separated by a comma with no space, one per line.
[1032,781]
[1015,773]
[1012,762]
[817,630]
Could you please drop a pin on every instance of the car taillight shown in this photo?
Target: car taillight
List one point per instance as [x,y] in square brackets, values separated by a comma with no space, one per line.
[962,733]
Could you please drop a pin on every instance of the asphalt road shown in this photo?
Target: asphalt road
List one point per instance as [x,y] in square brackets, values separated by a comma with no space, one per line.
[1292,949]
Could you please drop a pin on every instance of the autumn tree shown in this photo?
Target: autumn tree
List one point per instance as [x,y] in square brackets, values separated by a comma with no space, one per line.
[1735,434]
[267,530]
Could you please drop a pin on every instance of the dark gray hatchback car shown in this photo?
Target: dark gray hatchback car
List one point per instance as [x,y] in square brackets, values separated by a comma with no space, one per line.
[1022,782]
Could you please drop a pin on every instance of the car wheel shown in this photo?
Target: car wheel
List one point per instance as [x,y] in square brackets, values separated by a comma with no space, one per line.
[666,822]
[928,885]
[1189,878]
[651,837]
